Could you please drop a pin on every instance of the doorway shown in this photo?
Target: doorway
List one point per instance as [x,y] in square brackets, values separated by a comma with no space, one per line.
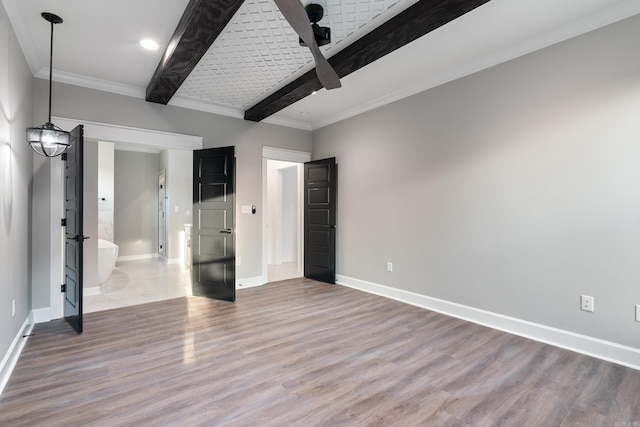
[147,236]
[93,131]
[283,213]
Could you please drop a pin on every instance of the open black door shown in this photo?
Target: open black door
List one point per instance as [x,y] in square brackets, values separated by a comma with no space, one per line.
[213,271]
[320,186]
[74,238]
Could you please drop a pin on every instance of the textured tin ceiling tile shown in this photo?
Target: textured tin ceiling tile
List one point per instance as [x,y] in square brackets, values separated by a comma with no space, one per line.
[259,50]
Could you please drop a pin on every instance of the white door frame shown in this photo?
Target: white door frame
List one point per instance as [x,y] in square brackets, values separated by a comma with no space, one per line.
[271,153]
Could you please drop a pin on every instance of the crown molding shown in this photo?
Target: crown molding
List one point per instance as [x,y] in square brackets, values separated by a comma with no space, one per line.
[91,83]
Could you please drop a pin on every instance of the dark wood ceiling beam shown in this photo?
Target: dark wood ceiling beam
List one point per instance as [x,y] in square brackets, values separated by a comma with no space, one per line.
[409,25]
[201,23]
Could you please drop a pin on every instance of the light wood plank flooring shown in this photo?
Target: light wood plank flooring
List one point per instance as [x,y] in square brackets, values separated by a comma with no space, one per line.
[302,353]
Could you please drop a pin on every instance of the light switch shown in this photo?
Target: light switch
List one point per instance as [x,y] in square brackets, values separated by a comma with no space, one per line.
[246,209]
[176,209]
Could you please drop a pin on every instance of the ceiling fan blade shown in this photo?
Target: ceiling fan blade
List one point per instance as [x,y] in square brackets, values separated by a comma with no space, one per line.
[295,14]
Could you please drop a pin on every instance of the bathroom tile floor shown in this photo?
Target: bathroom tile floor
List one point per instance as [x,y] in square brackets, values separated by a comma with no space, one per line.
[140,282]
[143,281]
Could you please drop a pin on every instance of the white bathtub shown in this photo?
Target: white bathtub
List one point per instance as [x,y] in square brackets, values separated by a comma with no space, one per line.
[107,256]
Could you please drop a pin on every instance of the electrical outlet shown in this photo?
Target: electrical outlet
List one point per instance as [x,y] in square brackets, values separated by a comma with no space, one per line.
[587,303]
[13,308]
[389,266]
[637,312]
[238,261]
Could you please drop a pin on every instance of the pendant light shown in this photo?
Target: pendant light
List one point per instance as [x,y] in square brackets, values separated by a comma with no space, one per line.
[48,140]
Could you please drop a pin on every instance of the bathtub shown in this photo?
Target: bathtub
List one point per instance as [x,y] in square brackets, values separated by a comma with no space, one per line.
[107,255]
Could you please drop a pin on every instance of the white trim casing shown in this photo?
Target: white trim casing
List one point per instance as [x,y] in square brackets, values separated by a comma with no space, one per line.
[13,353]
[590,346]
[135,136]
[285,155]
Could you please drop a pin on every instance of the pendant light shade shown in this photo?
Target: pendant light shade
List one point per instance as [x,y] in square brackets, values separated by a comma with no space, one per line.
[48,140]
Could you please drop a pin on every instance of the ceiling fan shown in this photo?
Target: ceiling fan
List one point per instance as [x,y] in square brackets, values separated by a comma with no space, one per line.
[298,18]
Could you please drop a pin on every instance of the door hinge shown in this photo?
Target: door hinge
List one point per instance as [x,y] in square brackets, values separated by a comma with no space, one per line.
[63,288]
[63,222]
[64,157]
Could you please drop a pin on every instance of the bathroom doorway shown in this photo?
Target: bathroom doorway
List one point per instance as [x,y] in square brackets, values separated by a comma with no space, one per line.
[151,205]
[98,205]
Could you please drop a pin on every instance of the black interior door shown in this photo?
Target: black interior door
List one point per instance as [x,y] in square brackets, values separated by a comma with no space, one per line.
[213,272]
[320,186]
[74,238]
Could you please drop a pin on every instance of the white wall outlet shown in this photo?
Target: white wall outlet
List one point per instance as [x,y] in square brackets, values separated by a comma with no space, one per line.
[389,266]
[637,312]
[587,303]
[13,308]
[238,261]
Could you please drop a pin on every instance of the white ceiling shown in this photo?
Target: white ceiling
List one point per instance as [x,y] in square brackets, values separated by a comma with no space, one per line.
[97,46]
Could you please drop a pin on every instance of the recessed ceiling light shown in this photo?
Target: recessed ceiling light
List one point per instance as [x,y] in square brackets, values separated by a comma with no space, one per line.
[304,113]
[149,44]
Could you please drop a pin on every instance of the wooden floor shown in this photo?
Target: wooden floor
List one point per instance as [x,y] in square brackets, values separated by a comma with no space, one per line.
[301,353]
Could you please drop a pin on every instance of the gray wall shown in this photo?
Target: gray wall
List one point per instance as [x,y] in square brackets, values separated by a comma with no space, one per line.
[217,131]
[135,219]
[513,190]
[16,169]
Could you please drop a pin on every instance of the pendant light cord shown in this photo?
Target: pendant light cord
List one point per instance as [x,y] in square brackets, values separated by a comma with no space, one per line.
[50,70]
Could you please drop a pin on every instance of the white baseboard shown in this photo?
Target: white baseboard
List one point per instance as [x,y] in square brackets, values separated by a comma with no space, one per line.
[9,360]
[41,315]
[595,347]
[250,282]
[174,261]
[137,257]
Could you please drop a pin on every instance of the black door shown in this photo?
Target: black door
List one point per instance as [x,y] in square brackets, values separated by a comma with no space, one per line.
[74,238]
[320,185]
[213,272]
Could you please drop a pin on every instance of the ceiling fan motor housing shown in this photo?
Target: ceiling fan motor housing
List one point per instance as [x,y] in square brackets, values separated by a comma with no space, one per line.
[315,12]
